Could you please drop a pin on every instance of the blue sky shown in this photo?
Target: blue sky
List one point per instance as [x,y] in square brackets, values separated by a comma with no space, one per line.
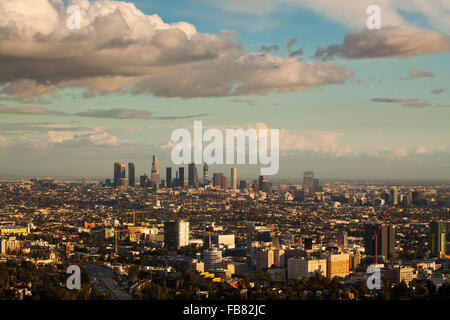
[378,122]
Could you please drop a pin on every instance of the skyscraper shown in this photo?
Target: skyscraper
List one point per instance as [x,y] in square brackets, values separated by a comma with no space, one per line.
[217,180]
[119,173]
[131,174]
[181,177]
[233,179]
[144,181]
[223,182]
[169,176]
[393,197]
[437,241]
[192,175]
[155,173]
[205,172]
[308,183]
[176,234]
[379,240]
[418,198]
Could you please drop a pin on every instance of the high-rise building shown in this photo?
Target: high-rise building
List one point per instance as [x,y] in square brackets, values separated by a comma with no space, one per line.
[131,174]
[224,183]
[379,240]
[155,172]
[279,258]
[342,241]
[176,234]
[243,184]
[169,176]
[119,173]
[418,198]
[437,242]
[393,197]
[308,184]
[181,177]
[263,184]
[217,180]
[192,175]
[144,181]
[205,172]
[233,178]
[264,259]
[212,259]
[338,265]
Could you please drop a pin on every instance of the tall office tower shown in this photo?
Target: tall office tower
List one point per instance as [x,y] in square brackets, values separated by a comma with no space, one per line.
[233,178]
[181,177]
[176,234]
[205,171]
[393,197]
[131,174]
[379,240]
[279,258]
[263,184]
[342,241]
[192,175]
[195,177]
[243,184]
[264,259]
[338,265]
[144,181]
[212,259]
[169,176]
[119,172]
[437,241]
[224,183]
[308,184]
[217,180]
[418,198]
[155,173]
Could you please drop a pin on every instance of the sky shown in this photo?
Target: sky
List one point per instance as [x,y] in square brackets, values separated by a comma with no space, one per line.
[349,102]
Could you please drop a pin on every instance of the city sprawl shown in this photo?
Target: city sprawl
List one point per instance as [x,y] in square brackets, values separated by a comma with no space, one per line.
[202,238]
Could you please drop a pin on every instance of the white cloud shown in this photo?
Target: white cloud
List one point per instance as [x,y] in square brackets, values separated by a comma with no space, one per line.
[119,48]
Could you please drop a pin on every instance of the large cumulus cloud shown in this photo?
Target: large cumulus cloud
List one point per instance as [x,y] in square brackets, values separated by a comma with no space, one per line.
[120,48]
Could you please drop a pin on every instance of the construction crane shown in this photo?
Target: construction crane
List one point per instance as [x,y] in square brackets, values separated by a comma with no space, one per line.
[139,211]
[375,236]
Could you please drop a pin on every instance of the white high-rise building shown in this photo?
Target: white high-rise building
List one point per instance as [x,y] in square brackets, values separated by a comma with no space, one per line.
[233,178]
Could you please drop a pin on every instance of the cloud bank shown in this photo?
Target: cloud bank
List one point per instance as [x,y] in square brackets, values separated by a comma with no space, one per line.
[119,48]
